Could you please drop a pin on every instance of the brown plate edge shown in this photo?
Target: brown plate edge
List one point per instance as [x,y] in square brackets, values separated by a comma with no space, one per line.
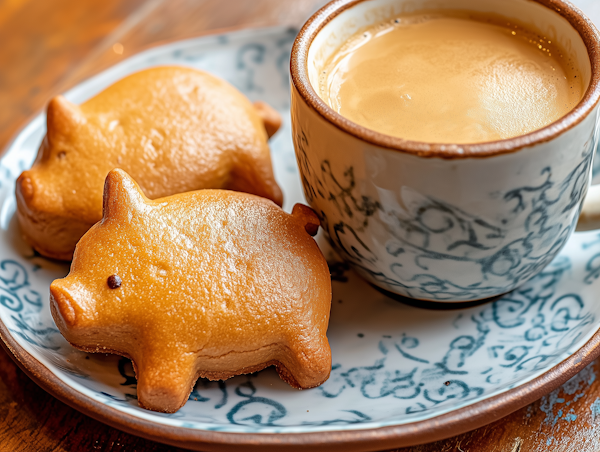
[430,430]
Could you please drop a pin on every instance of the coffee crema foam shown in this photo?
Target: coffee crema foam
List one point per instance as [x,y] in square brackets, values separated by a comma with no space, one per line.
[450,78]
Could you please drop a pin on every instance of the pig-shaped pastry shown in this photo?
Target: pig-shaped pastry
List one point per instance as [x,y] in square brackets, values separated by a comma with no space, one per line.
[211,283]
[174,129]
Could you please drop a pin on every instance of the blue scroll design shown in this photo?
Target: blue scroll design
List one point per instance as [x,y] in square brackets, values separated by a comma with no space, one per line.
[429,231]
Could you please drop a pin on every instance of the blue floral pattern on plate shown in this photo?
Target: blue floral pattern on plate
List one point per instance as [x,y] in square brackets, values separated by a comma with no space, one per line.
[392,364]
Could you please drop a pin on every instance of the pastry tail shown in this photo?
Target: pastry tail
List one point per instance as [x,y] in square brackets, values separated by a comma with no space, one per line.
[308,217]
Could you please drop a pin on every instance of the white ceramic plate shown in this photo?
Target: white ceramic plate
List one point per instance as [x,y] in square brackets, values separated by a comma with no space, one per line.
[401,374]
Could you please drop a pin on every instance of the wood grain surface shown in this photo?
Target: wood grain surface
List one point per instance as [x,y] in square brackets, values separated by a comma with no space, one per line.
[50,45]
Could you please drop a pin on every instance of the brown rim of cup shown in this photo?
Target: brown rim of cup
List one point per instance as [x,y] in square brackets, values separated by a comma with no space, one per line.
[298,69]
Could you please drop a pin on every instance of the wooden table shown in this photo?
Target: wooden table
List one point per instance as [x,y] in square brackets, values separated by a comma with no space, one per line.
[47,47]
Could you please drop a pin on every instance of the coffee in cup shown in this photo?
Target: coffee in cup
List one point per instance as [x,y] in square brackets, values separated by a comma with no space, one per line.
[451,77]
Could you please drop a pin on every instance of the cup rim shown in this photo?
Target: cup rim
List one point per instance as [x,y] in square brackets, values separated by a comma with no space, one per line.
[301,82]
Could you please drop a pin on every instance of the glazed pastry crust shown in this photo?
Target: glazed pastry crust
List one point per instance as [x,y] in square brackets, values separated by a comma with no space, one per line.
[173,129]
[215,283]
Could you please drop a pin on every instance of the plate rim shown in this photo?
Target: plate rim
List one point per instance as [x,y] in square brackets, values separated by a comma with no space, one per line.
[429,430]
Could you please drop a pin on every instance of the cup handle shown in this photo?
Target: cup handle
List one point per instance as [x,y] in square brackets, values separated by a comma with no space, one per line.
[589,219]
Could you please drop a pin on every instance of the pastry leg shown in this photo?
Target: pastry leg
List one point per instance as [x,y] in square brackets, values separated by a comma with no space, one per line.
[308,363]
[164,384]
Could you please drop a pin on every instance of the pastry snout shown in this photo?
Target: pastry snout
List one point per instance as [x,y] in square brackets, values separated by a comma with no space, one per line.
[34,195]
[62,304]
[25,187]
[52,235]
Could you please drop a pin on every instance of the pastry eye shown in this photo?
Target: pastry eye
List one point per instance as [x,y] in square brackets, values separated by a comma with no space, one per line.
[114,281]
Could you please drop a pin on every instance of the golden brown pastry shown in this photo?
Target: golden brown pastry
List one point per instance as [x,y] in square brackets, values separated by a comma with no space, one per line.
[212,283]
[174,129]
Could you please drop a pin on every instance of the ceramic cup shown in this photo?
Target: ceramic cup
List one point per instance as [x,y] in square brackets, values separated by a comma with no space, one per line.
[446,222]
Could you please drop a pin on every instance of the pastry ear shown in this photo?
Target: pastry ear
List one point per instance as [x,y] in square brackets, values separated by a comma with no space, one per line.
[121,194]
[62,118]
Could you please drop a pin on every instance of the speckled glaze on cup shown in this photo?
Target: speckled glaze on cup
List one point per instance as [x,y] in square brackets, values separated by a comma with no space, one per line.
[445,222]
